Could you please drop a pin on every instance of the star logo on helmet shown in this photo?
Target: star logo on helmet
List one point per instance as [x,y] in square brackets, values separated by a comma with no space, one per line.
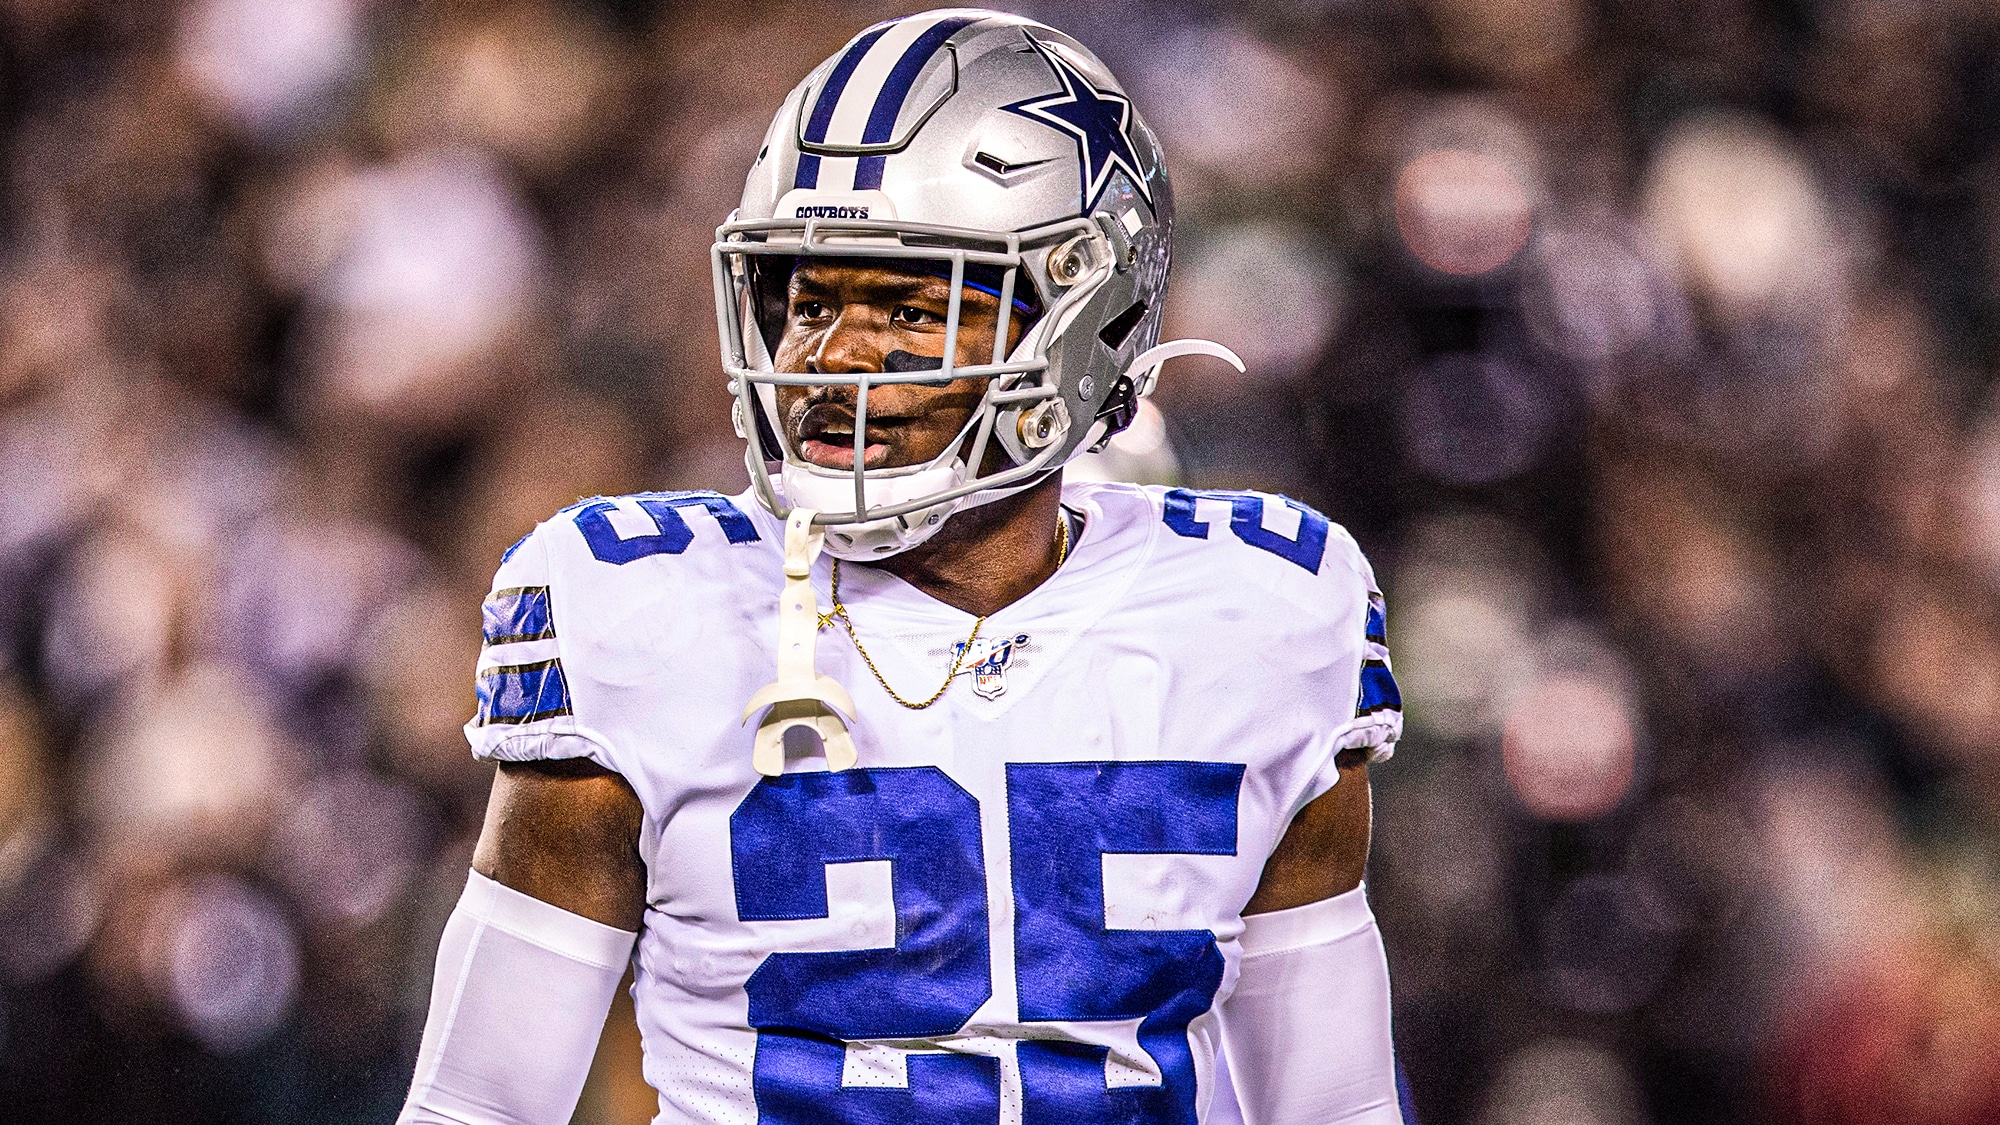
[1098,119]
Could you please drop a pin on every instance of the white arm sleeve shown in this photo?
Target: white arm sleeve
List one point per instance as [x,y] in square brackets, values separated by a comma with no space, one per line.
[1307,1029]
[517,1005]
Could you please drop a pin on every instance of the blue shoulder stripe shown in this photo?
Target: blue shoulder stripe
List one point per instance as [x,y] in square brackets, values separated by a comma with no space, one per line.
[1378,620]
[1378,689]
[522,693]
[517,614]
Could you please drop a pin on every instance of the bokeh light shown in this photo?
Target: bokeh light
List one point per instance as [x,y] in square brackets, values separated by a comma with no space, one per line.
[435,265]
[1569,748]
[1835,860]
[1570,1081]
[1231,107]
[1608,942]
[1510,39]
[350,847]
[271,63]
[195,768]
[1596,298]
[1264,291]
[533,83]
[1464,623]
[51,903]
[116,616]
[228,959]
[1476,419]
[1465,658]
[1461,212]
[1742,217]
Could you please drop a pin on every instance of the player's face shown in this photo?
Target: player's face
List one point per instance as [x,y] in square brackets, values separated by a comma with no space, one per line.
[852,318]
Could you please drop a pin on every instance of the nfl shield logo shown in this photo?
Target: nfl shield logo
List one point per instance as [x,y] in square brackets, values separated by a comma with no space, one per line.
[987,663]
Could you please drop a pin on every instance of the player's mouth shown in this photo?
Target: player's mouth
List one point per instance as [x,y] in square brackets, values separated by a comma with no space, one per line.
[837,454]
[826,438]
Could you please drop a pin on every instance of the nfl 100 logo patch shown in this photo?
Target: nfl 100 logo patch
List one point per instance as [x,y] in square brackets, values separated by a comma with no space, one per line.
[988,661]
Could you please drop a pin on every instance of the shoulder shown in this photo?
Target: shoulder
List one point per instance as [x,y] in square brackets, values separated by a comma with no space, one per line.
[607,590]
[1265,576]
[618,531]
[613,553]
[603,562]
[611,575]
[1234,545]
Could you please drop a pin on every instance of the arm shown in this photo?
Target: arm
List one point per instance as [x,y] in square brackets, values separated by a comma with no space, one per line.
[1307,1029]
[1325,851]
[532,954]
[567,832]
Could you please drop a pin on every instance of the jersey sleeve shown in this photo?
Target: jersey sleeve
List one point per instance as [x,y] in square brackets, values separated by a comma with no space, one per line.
[1363,708]
[525,709]
[1378,704]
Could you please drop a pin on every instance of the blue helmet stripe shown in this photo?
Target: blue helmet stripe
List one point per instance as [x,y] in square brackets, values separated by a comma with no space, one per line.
[829,97]
[889,103]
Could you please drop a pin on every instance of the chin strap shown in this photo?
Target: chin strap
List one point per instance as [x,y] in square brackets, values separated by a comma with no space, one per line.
[801,696]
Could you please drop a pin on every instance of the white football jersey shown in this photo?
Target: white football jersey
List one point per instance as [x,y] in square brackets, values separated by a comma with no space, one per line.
[1023,905]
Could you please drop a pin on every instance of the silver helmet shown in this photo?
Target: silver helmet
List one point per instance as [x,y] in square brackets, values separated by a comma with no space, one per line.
[997,152]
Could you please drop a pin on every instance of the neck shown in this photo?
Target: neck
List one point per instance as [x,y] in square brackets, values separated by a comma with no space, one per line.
[988,557]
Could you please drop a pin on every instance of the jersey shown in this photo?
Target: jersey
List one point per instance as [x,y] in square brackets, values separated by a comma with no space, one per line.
[1022,905]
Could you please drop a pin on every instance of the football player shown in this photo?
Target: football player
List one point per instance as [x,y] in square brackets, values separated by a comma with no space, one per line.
[913,784]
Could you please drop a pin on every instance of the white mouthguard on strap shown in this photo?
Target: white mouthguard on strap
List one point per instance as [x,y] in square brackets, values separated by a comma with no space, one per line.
[801,696]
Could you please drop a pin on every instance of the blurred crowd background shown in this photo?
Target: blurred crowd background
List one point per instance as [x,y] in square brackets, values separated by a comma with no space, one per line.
[1647,346]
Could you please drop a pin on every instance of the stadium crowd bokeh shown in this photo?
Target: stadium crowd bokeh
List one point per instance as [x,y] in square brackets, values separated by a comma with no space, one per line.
[1647,346]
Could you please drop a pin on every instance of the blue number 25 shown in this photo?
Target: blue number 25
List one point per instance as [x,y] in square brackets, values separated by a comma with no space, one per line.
[1063,819]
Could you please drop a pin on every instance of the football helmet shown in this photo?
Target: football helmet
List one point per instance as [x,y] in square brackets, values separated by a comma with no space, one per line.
[991,150]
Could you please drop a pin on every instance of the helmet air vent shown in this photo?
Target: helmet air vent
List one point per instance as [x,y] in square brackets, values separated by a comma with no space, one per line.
[1000,167]
[1119,328]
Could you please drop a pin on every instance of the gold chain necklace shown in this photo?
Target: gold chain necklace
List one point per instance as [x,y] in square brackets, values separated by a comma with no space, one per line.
[964,650]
